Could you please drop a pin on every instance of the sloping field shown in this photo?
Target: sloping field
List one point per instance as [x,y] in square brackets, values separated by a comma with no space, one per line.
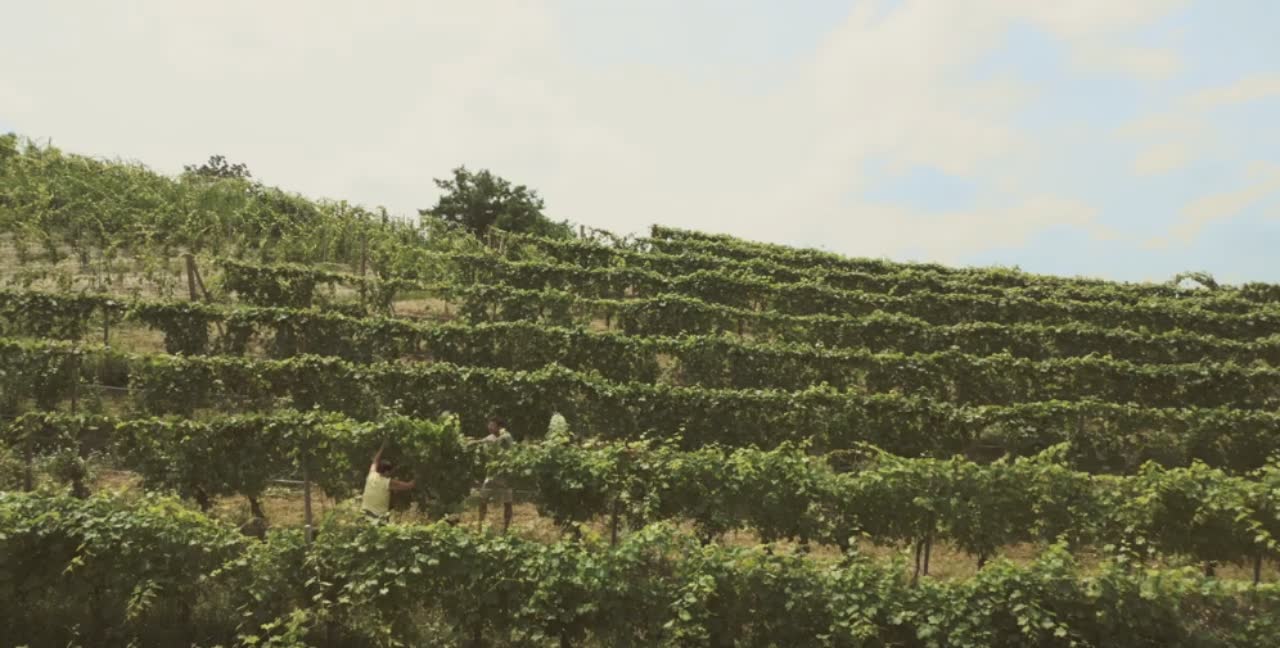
[753,445]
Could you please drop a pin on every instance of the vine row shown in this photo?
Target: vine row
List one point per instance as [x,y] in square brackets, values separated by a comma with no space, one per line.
[1104,436]
[905,279]
[711,361]
[679,242]
[139,570]
[781,494]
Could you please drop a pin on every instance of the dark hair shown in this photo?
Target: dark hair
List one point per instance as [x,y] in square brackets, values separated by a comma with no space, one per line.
[499,420]
[385,466]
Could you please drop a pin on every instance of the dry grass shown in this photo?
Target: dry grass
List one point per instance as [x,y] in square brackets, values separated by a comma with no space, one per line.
[135,338]
[423,307]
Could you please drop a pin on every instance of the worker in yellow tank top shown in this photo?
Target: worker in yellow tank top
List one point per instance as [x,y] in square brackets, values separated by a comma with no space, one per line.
[378,485]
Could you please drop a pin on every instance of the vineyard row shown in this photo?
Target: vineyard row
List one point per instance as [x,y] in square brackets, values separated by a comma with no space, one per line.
[877,278]
[679,242]
[1104,436]
[151,571]
[760,295]
[674,314]
[781,494]
[710,361]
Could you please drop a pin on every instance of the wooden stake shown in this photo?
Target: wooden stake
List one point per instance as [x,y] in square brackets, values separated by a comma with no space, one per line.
[364,254]
[306,491]
[191,276]
[613,525]
[928,549]
[915,576]
[75,384]
[200,281]
[28,475]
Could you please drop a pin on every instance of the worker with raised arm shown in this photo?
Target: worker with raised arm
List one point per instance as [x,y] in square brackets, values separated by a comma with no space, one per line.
[378,486]
[495,487]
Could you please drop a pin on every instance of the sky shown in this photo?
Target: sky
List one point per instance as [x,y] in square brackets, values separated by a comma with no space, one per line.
[1127,140]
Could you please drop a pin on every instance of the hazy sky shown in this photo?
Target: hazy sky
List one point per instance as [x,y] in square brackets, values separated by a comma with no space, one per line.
[1122,139]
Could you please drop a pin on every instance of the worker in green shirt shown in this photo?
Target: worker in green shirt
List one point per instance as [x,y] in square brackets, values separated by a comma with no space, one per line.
[496,487]
[378,486]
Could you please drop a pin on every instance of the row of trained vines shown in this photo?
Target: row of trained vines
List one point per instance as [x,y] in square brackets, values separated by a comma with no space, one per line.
[678,242]
[111,571]
[186,324]
[722,299]
[1104,436]
[647,254]
[763,295]
[710,361]
[782,494]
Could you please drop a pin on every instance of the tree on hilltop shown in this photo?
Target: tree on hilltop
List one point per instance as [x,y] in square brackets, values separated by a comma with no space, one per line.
[218,167]
[480,200]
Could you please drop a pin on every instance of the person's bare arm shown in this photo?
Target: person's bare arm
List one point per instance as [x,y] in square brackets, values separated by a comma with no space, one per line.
[373,467]
[397,485]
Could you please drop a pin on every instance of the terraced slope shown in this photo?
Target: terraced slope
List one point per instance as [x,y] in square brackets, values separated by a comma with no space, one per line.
[1084,446]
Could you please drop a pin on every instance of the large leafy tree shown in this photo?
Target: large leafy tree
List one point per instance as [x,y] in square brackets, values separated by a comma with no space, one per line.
[480,200]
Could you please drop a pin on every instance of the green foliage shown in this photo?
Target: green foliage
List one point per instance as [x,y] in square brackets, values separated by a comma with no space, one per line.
[722,249]
[481,200]
[226,455]
[784,493]
[997,396]
[12,468]
[58,204]
[1104,436]
[218,167]
[151,572]
[117,571]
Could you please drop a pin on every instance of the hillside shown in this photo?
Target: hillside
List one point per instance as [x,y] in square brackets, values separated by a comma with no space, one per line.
[763,445]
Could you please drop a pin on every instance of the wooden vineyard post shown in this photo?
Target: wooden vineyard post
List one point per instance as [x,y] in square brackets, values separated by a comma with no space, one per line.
[200,281]
[28,473]
[306,491]
[613,524]
[191,275]
[75,384]
[364,267]
[106,325]
[364,254]
[928,549]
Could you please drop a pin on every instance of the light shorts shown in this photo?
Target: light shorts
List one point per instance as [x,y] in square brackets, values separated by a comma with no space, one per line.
[494,489]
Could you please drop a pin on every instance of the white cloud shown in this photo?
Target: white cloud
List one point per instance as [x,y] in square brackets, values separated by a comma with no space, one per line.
[1163,158]
[1093,18]
[1148,64]
[1248,89]
[1173,139]
[1264,181]
[369,101]
[948,235]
